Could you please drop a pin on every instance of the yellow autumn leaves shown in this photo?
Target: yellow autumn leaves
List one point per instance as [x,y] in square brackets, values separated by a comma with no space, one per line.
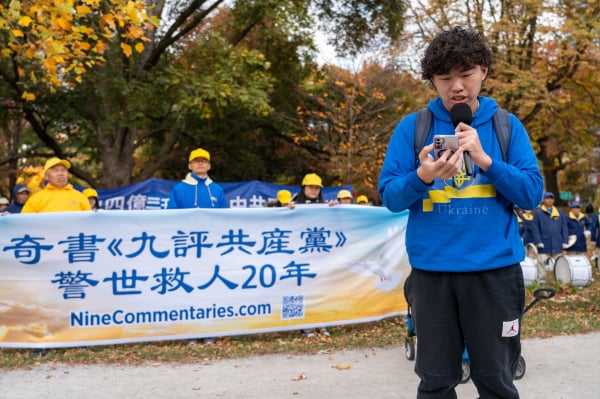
[54,42]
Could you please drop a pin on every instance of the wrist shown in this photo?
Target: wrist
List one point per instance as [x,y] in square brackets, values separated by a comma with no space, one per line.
[423,176]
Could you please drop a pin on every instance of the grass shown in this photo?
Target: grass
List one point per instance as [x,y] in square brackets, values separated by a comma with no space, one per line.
[571,311]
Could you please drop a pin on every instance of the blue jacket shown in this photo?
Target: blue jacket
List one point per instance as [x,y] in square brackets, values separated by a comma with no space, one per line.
[526,230]
[15,207]
[197,192]
[466,223]
[596,229]
[575,227]
[550,230]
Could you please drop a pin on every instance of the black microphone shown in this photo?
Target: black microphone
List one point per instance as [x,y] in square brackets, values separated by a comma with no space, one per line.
[461,112]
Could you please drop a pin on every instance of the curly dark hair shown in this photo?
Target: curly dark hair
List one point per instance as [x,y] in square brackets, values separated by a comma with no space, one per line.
[460,48]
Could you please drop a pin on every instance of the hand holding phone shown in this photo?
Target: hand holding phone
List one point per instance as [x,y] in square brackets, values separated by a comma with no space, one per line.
[443,143]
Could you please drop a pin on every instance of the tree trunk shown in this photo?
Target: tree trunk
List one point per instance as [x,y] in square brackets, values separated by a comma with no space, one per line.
[116,151]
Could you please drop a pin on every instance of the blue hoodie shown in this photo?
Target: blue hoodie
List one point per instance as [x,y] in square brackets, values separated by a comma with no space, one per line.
[466,223]
[197,192]
[15,207]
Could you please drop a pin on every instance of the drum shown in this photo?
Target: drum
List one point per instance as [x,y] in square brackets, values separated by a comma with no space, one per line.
[529,267]
[531,250]
[574,269]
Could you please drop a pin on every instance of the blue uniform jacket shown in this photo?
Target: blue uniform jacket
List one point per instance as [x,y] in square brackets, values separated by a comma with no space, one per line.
[596,229]
[552,231]
[576,226]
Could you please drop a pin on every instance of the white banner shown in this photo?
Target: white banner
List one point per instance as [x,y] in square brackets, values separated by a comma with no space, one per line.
[92,278]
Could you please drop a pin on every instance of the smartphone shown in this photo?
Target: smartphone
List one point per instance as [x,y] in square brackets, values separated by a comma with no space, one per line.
[443,143]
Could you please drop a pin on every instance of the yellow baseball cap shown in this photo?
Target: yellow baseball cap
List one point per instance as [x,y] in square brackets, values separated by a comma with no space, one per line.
[362,199]
[312,179]
[344,194]
[284,197]
[199,153]
[90,192]
[52,162]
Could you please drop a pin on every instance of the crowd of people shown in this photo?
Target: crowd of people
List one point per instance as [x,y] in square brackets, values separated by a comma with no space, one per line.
[196,190]
[465,288]
[550,232]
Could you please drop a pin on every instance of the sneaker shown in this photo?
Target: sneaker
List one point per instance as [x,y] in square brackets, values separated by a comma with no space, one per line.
[308,333]
[324,331]
[192,342]
[208,341]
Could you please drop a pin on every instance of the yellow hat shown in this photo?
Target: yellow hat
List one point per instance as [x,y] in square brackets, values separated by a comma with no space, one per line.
[199,153]
[52,162]
[312,179]
[344,194]
[362,199]
[284,197]
[90,192]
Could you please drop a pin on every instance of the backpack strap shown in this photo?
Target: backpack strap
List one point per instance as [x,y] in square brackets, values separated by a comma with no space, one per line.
[422,127]
[503,131]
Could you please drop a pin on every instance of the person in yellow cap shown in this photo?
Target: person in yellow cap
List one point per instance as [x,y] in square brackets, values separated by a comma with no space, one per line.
[197,190]
[58,195]
[344,197]
[310,194]
[311,190]
[362,200]
[283,199]
[92,196]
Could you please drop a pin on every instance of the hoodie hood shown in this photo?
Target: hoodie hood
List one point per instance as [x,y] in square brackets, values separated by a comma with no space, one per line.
[16,189]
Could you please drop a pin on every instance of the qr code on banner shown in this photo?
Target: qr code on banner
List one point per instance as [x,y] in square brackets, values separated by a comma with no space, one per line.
[293,307]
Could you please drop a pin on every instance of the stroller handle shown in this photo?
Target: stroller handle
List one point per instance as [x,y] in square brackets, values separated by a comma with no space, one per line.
[540,294]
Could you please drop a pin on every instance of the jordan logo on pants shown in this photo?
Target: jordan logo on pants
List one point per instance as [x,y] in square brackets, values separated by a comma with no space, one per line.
[510,328]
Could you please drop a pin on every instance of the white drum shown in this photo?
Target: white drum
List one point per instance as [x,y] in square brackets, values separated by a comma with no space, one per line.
[574,269]
[531,251]
[529,267]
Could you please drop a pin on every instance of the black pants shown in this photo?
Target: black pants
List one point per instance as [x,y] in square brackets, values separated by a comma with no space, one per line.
[481,310]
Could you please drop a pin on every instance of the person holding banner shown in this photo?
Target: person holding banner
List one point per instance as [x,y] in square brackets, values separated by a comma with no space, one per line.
[58,195]
[344,197]
[198,190]
[20,196]
[310,193]
[362,200]
[92,196]
[465,287]
[283,199]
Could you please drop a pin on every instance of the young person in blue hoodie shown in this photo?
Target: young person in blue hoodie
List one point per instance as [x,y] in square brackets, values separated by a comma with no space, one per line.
[462,239]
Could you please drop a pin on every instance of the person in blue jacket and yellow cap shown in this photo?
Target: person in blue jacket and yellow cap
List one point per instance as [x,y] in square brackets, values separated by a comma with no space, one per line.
[197,190]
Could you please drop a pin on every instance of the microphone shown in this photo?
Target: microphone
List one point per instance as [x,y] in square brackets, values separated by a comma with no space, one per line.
[461,112]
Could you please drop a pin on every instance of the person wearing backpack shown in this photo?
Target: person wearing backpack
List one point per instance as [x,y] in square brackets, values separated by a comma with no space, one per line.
[466,285]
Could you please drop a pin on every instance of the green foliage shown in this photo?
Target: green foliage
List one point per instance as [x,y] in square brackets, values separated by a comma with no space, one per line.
[545,52]
[358,24]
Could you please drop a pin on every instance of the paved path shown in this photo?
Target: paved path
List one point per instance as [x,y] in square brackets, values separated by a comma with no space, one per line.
[557,368]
